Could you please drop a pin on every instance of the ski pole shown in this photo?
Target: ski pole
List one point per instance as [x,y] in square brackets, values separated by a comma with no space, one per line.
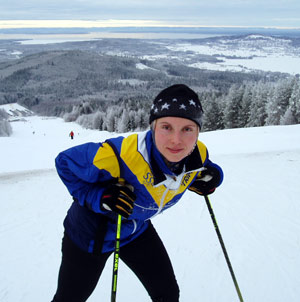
[116,252]
[116,259]
[223,247]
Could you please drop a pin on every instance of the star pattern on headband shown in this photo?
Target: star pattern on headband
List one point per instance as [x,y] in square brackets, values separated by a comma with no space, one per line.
[174,104]
[165,106]
[192,102]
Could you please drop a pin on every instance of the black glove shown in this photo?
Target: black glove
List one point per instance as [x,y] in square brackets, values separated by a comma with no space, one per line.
[206,182]
[119,199]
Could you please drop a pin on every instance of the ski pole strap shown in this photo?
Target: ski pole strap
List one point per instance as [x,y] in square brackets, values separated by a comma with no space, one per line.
[223,247]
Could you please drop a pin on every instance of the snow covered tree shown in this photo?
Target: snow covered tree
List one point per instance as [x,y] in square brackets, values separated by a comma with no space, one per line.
[124,122]
[140,119]
[257,111]
[85,108]
[109,120]
[5,127]
[296,100]
[233,107]
[292,115]
[132,124]
[213,115]
[246,105]
[278,105]
[288,118]
[73,115]
[98,120]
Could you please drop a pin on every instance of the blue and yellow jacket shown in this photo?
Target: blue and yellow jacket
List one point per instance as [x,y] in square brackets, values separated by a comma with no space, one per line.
[87,169]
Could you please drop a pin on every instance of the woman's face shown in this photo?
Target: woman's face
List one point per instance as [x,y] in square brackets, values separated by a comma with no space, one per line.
[175,137]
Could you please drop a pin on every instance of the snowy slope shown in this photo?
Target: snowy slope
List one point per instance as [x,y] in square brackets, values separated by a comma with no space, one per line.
[257,209]
[15,110]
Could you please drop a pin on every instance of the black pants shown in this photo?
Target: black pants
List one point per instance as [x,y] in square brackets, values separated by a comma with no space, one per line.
[146,256]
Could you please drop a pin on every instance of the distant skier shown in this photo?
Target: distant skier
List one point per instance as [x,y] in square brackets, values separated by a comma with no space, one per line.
[156,167]
[71,134]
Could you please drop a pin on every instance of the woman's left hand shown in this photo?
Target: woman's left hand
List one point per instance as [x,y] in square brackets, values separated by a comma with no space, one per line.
[207,182]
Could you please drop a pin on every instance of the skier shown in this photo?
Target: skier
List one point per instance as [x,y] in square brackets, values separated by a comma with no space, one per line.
[158,166]
[71,134]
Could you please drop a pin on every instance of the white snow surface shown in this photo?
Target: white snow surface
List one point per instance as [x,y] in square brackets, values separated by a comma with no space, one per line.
[247,54]
[14,110]
[257,209]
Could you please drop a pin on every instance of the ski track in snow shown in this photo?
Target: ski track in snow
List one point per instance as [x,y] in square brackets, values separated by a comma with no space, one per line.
[257,209]
[22,175]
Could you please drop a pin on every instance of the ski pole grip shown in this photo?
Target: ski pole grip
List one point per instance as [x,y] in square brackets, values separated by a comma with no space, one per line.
[122,182]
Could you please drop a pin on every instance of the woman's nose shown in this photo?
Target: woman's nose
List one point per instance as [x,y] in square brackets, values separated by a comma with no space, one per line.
[176,137]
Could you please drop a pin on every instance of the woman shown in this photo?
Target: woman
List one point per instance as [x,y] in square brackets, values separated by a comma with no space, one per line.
[158,166]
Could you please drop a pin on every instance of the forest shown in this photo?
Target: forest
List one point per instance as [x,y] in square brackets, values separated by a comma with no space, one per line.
[246,105]
[114,92]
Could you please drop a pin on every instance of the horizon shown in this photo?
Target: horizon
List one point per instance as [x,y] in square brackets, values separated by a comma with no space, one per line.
[118,23]
[53,31]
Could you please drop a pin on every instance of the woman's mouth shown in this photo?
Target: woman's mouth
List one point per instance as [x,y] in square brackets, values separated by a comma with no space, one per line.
[174,151]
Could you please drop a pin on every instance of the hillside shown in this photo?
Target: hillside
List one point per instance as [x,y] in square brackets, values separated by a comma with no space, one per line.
[50,78]
[257,209]
[66,77]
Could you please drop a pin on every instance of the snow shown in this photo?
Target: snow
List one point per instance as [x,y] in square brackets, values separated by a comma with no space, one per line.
[53,39]
[131,82]
[271,63]
[15,110]
[142,66]
[257,209]
[251,53]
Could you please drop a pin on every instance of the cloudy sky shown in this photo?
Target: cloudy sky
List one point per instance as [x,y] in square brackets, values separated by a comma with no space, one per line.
[277,13]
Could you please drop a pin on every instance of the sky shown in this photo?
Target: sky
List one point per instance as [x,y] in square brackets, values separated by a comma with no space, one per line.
[267,13]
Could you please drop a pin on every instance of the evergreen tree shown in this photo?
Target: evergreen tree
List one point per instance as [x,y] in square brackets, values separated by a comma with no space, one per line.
[294,102]
[98,120]
[278,105]
[5,127]
[141,119]
[288,118]
[109,120]
[213,117]
[124,123]
[246,105]
[257,114]
[233,107]
[132,125]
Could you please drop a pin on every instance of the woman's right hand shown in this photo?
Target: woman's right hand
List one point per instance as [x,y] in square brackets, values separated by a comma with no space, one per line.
[118,198]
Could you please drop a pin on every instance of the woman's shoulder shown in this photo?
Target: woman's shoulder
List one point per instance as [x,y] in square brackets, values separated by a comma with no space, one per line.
[201,146]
